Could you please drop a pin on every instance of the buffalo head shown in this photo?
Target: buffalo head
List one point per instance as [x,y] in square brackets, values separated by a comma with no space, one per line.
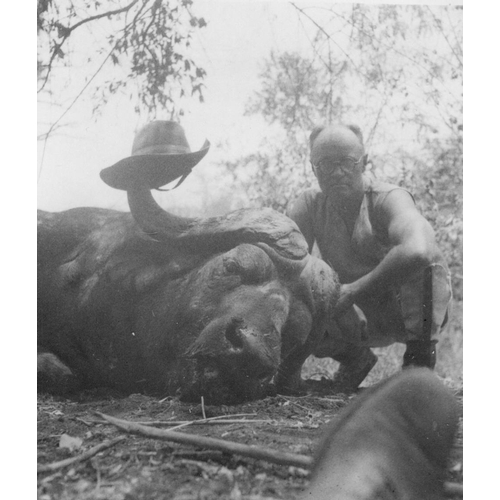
[251,312]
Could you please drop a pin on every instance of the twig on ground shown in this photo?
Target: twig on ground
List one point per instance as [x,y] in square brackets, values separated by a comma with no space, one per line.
[79,458]
[203,408]
[210,469]
[86,422]
[296,404]
[277,457]
[333,400]
[217,422]
[256,452]
[48,479]
[221,419]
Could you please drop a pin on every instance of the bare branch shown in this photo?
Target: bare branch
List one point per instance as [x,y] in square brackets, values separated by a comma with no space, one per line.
[401,53]
[459,45]
[79,458]
[440,28]
[99,16]
[356,67]
[67,32]
[52,127]
[256,452]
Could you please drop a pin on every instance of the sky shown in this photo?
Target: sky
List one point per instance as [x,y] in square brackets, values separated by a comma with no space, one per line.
[231,48]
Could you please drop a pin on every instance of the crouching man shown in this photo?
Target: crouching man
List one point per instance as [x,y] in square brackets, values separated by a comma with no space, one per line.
[395,282]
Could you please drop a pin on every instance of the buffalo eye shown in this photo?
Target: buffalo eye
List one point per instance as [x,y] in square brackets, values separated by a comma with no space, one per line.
[231,267]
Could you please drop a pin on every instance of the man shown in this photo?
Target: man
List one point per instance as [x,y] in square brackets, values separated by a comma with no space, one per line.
[395,283]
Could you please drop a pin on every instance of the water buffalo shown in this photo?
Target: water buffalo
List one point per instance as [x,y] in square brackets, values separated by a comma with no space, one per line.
[215,307]
[393,442]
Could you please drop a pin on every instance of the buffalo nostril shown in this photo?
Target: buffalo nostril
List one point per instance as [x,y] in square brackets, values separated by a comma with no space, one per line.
[233,333]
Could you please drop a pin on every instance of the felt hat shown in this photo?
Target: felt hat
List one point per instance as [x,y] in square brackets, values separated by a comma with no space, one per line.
[160,154]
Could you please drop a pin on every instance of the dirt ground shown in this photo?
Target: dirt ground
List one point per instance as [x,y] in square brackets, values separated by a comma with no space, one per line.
[142,468]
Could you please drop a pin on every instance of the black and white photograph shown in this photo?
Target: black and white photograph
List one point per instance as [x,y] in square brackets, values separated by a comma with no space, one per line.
[250,250]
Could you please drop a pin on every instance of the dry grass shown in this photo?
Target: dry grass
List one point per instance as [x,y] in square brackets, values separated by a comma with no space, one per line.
[449,360]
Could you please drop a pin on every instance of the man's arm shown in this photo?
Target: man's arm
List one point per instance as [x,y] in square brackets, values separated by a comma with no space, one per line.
[413,248]
[300,214]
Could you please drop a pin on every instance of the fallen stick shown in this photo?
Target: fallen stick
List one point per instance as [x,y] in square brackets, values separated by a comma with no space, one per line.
[188,423]
[266,454]
[79,458]
[203,408]
[277,457]
[178,423]
[222,419]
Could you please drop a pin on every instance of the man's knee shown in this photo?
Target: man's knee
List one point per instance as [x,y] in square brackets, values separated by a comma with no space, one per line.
[347,330]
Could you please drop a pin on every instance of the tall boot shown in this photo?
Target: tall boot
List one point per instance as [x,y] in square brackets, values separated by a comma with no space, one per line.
[420,353]
[423,352]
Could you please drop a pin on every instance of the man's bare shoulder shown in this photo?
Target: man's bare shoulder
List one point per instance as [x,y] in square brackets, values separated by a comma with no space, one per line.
[383,188]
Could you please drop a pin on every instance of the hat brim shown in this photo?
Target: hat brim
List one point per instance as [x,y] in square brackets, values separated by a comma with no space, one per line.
[152,171]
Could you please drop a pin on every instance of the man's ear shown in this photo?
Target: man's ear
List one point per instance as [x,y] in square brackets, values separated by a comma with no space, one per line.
[364,162]
[313,169]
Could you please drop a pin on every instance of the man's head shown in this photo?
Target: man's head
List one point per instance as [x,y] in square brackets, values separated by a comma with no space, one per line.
[338,157]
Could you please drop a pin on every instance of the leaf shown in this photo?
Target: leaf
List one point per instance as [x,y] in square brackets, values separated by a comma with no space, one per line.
[70,442]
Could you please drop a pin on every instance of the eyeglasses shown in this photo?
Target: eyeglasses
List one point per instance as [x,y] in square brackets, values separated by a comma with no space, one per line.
[328,167]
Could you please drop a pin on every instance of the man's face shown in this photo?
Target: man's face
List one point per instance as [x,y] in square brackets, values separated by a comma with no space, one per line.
[338,161]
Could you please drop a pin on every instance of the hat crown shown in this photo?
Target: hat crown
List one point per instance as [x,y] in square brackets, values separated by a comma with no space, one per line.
[160,138]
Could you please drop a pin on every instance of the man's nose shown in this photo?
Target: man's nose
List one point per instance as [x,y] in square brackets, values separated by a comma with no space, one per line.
[337,174]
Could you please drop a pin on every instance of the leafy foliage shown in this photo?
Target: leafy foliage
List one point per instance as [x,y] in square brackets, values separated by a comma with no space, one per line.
[146,41]
[396,71]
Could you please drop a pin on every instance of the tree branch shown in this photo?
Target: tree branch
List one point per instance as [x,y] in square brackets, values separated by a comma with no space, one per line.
[439,27]
[256,452]
[391,47]
[330,38]
[99,16]
[79,458]
[69,107]
[67,32]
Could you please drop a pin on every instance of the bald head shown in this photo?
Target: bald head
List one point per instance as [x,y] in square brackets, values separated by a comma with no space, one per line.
[338,141]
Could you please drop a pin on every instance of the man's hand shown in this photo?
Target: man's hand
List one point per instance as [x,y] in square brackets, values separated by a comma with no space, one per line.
[346,299]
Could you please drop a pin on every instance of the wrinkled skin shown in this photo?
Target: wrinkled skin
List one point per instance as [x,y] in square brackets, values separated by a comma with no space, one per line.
[118,309]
